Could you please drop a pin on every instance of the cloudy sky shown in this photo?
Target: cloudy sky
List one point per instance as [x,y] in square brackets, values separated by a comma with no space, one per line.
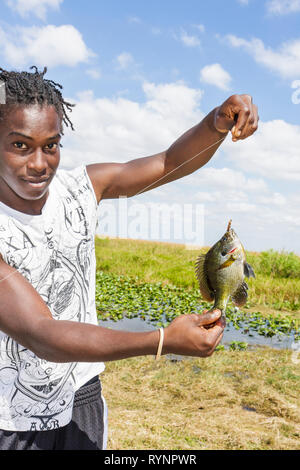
[142,73]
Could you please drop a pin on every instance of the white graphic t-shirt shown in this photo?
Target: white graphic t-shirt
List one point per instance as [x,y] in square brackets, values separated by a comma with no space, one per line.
[55,252]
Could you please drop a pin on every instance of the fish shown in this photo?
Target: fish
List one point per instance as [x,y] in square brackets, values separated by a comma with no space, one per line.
[221,272]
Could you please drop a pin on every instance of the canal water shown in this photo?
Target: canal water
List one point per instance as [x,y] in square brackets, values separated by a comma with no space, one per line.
[253,339]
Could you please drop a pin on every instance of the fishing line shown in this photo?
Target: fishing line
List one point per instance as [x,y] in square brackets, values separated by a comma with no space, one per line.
[182,164]
[9,275]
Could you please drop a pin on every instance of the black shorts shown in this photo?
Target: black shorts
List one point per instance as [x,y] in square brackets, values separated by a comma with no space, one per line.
[86,431]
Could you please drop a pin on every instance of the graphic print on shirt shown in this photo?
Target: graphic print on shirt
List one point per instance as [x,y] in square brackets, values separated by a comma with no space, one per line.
[58,267]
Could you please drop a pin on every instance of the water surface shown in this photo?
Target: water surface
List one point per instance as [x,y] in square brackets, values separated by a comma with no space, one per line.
[230,334]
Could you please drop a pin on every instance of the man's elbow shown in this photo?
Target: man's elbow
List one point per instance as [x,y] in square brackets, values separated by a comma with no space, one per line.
[45,351]
[43,342]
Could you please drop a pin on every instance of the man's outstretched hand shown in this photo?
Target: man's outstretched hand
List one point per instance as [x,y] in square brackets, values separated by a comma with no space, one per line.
[194,335]
[237,114]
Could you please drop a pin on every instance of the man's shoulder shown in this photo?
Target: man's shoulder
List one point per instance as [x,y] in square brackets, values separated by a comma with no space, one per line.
[71,174]
[77,181]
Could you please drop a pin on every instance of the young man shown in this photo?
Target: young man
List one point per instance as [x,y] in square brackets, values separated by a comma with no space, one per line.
[51,348]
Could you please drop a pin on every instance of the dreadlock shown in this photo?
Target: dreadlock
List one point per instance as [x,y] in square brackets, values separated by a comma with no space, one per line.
[32,88]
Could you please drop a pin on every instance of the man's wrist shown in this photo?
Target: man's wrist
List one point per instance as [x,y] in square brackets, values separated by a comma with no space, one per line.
[211,119]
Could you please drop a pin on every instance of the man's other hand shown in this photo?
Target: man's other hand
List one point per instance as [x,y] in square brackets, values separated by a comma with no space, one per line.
[237,114]
[194,335]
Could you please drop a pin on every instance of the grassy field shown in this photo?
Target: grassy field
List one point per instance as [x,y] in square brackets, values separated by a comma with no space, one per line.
[232,400]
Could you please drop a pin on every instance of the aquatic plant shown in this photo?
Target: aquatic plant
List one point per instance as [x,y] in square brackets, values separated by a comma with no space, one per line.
[119,297]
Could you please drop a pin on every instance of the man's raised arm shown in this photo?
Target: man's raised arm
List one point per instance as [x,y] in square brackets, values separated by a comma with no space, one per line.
[190,152]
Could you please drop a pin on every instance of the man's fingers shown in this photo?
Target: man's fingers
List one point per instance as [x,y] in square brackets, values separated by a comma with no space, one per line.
[251,125]
[238,114]
[217,342]
[244,112]
[247,121]
[256,118]
[214,334]
[189,334]
[209,316]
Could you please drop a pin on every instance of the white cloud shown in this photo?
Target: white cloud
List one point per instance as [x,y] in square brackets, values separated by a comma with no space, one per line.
[94,73]
[36,7]
[189,40]
[272,152]
[119,129]
[243,2]
[285,60]
[263,218]
[220,179]
[200,27]
[276,199]
[215,75]
[49,45]
[124,60]
[283,7]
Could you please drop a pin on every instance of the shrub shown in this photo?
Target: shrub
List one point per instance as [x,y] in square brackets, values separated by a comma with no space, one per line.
[279,264]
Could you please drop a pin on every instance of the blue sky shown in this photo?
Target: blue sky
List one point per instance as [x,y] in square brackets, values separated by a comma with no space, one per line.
[141,73]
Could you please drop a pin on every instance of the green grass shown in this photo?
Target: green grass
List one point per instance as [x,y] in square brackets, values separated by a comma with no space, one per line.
[277,265]
[149,261]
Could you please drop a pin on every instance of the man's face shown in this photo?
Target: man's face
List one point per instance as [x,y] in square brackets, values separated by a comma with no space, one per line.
[29,156]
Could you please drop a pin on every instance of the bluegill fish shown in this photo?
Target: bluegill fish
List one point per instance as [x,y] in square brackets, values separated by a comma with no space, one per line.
[222,270]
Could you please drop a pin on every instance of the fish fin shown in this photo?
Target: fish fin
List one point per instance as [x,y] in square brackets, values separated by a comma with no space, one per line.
[205,290]
[239,298]
[248,270]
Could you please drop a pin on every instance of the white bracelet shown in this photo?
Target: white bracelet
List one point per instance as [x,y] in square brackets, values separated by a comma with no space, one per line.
[160,345]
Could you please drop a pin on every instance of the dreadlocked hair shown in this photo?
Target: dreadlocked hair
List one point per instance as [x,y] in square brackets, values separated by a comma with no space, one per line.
[27,88]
